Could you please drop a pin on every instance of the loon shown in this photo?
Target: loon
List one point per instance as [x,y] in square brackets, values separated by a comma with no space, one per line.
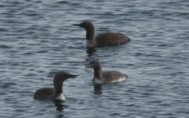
[103,77]
[103,39]
[55,93]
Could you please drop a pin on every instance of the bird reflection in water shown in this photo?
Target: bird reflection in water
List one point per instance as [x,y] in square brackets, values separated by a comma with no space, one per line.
[59,108]
[59,105]
[97,89]
[90,51]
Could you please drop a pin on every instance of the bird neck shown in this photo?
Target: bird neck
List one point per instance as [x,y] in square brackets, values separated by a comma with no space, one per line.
[59,94]
[98,72]
[90,36]
[58,86]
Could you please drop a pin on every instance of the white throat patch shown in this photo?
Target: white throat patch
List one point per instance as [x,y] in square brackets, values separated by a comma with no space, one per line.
[61,97]
[97,81]
[90,43]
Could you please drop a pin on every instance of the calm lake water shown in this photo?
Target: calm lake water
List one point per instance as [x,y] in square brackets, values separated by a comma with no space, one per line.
[37,39]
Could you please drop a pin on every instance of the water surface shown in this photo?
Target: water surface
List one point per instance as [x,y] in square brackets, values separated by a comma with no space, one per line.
[37,39]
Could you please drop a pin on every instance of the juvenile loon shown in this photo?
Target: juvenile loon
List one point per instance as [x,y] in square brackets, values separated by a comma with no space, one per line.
[103,39]
[55,93]
[102,77]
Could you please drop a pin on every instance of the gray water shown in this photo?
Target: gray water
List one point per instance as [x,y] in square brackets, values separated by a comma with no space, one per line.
[37,39]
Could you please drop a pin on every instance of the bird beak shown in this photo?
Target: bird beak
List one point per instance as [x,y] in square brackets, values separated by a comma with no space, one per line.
[76,24]
[72,76]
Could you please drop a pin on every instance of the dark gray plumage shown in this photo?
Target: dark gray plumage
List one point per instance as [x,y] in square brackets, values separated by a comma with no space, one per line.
[103,39]
[101,77]
[55,93]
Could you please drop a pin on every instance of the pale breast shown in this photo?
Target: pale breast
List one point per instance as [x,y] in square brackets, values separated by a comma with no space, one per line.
[110,77]
[119,80]
[61,97]
[113,76]
[97,81]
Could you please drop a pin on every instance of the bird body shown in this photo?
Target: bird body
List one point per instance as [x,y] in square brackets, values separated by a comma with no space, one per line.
[103,39]
[55,93]
[103,77]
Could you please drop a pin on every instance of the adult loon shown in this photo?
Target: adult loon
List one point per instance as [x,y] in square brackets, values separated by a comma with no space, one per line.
[103,39]
[103,77]
[55,93]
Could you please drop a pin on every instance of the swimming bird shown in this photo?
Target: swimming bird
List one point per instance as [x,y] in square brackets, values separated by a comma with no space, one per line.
[103,39]
[103,77]
[55,93]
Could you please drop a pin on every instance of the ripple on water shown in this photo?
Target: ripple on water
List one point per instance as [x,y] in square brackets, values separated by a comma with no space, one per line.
[37,39]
